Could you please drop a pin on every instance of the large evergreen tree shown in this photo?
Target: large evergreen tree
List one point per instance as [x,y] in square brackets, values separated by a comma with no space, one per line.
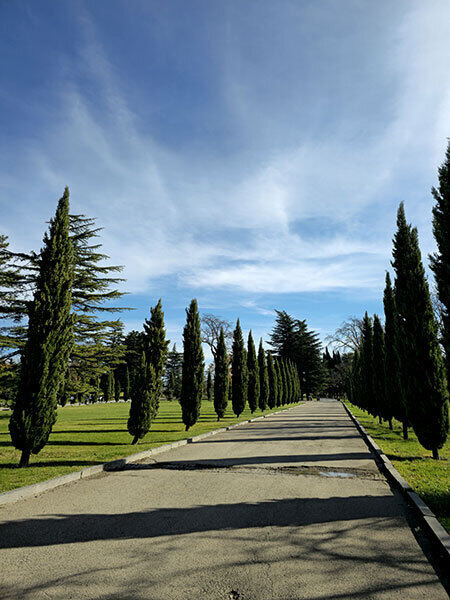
[156,349]
[209,387]
[49,340]
[142,394]
[192,370]
[253,375]
[395,394]
[221,377]
[421,354]
[263,378]
[366,355]
[174,368]
[440,261]
[239,373]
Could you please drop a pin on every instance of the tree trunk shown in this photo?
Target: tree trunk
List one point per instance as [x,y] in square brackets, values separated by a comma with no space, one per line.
[187,428]
[390,424]
[25,458]
[405,430]
[218,418]
[135,440]
[435,454]
[379,420]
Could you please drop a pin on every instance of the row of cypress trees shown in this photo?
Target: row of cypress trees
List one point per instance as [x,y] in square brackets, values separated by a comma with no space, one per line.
[399,371]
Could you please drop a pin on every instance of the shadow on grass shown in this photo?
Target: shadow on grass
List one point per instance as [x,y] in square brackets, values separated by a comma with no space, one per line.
[52,463]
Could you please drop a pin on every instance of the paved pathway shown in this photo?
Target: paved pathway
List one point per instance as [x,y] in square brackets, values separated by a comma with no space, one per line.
[255,513]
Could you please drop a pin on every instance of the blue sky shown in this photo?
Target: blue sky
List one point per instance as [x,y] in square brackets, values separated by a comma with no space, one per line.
[250,154]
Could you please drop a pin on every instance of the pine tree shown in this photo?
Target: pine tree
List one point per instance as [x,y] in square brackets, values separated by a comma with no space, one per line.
[253,375]
[156,349]
[273,381]
[383,409]
[49,340]
[192,374]
[142,393]
[395,395]
[221,377]
[239,380]
[421,354]
[263,378]
[440,261]
[209,387]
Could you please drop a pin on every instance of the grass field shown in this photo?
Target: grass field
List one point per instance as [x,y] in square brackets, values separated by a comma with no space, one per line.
[89,435]
[428,477]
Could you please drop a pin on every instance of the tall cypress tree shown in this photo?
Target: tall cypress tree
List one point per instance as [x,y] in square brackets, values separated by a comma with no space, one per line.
[156,350]
[126,386]
[253,375]
[221,377]
[427,402]
[239,380]
[440,262]
[367,365]
[263,378]
[142,393]
[273,382]
[192,373]
[49,340]
[280,391]
[395,394]
[383,408]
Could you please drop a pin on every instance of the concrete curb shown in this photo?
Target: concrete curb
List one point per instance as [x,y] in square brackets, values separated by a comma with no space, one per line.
[437,533]
[29,491]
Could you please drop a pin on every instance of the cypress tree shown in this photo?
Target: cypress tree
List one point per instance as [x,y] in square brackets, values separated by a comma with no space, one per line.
[239,380]
[221,377]
[440,262]
[285,382]
[276,364]
[117,388]
[156,350]
[142,393]
[366,357]
[273,382]
[192,373]
[395,394]
[427,402]
[49,340]
[209,387]
[383,408]
[126,388]
[290,379]
[253,375]
[263,378]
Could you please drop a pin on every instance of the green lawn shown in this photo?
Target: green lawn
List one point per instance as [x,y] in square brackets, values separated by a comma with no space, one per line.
[88,435]
[428,477]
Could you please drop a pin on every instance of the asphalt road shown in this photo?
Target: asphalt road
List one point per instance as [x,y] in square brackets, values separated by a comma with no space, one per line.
[289,507]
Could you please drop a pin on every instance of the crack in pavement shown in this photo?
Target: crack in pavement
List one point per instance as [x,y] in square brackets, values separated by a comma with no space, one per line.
[313,470]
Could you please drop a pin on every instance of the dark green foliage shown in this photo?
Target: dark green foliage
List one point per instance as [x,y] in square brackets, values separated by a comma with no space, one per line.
[174,367]
[126,384]
[156,349]
[107,384]
[279,370]
[421,355]
[209,387]
[383,409]
[117,388]
[142,394]
[221,377]
[263,378]
[273,381]
[292,340]
[192,371]
[253,375]
[395,395]
[239,373]
[440,261]
[366,356]
[49,340]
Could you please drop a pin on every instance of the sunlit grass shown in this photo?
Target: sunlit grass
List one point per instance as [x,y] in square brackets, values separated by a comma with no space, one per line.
[428,477]
[89,435]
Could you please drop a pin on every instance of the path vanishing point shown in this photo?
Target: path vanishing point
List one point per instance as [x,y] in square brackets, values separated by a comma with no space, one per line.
[288,507]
